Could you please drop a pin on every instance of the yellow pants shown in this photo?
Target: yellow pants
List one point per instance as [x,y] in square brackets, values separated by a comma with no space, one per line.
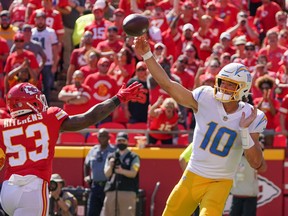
[193,190]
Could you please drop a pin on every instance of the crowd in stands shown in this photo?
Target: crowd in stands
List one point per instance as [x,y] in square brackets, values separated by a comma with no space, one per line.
[83,43]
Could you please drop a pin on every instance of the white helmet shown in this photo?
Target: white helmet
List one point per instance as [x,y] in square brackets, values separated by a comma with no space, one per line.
[235,73]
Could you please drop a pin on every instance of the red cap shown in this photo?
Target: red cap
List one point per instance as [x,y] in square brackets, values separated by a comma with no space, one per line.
[19,36]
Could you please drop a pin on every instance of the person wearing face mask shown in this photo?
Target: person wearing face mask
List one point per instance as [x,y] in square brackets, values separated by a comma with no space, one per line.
[77,96]
[122,170]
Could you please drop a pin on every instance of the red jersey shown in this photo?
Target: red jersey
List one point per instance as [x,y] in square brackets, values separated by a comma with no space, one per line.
[53,20]
[200,41]
[217,26]
[120,79]
[29,142]
[161,23]
[282,76]
[265,107]
[103,87]
[18,14]
[162,123]
[35,4]
[105,46]
[228,14]
[284,110]
[14,60]
[187,79]
[78,58]
[87,70]
[99,31]
[266,15]
[126,6]
[273,56]
[4,50]
[73,109]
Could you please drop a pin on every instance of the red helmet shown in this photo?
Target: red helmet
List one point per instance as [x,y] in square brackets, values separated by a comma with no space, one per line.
[25,98]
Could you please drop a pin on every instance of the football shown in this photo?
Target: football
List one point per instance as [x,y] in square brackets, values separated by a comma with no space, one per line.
[135,25]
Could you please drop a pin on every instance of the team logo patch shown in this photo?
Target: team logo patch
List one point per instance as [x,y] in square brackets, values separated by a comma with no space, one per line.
[31,90]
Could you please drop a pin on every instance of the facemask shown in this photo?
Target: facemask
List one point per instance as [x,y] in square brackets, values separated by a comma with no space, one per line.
[121,146]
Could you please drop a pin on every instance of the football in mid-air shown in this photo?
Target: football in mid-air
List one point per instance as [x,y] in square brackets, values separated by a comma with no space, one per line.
[135,25]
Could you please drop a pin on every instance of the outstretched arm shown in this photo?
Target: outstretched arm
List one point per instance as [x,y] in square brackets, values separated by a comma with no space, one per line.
[182,95]
[134,92]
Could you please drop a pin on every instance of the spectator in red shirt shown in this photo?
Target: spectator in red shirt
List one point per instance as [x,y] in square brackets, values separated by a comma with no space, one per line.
[225,40]
[251,56]
[227,12]
[92,56]
[18,10]
[273,51]
[239,43]
[163,117]
[204,39]
[193,59]
[245,27]
[77,96]
[20,55]
[4,52]
[218,25]
[112,43]
[102,85]
[283,38]
[119,15]
[77,58]
[187,15]
[123,67]
[281,20]
[100,25]
[284,117]
[265,15]
[282,78]
[182,40]
[268,105]
[20,74]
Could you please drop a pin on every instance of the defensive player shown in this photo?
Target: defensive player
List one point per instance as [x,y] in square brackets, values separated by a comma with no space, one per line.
[225,126]
[29,138]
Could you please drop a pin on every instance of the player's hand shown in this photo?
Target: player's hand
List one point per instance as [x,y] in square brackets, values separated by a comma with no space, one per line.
[141,45]
[134,92]
[245,122]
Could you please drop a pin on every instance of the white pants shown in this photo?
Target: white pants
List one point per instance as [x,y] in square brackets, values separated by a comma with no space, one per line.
[25,196]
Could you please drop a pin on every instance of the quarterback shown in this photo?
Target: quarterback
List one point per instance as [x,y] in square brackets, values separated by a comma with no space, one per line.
[28,140]
[225,127]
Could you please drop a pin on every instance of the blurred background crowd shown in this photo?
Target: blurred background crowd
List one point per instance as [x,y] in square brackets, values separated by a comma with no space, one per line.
[77,53]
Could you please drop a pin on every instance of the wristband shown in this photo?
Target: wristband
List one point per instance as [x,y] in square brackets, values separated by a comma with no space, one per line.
[247,141]
[116,101]
[147,55]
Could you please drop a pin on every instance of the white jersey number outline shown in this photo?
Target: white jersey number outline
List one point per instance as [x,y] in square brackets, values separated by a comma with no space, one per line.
[21,150]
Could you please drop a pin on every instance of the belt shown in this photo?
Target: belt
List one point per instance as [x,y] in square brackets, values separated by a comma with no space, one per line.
[100,183]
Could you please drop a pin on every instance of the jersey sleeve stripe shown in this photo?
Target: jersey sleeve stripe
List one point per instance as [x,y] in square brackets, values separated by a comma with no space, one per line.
[283,110]
[263,119]
[44,198]
[61,114]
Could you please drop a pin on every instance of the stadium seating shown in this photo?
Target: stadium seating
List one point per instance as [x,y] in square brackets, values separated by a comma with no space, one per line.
[71,138]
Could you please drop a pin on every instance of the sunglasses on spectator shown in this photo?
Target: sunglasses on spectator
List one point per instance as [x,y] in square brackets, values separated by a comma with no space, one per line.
[159,48]
[188,7]
[244,15]
[105,65]
[212,8]
[214,66]
[227,57]
[183,61]
[141,69]
[20,41]
[149,4]
[249,48]
[284,36]
[191,50]
[282,19]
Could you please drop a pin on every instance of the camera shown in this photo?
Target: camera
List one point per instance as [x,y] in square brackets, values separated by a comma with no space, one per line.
[53,186]
[117,160]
